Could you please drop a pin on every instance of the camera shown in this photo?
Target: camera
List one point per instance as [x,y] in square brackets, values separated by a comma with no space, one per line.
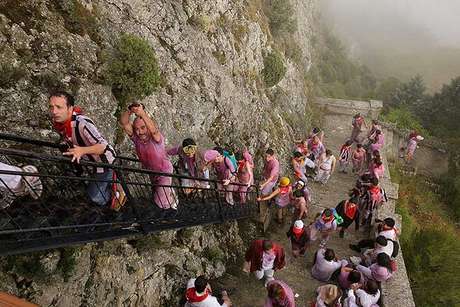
[134,105]
[64,146]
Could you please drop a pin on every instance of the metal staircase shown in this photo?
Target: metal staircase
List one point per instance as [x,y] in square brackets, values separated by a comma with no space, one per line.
[63,215]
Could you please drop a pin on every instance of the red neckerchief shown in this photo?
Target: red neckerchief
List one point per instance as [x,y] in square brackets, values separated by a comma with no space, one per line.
[241,165]
[284,190]
[297,232]
[192,297]
[374,189]
[65,128]
[303,149]
[350,210]
[327,219]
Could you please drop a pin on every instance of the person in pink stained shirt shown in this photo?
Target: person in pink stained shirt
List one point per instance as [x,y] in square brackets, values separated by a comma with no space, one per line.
[279,294]
[244,174]
[358,158]
[150,148]
[377,169]
[224,170]
[269,180]
[378,142]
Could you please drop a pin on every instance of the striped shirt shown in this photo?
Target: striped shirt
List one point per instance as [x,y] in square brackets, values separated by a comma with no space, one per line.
[85,134]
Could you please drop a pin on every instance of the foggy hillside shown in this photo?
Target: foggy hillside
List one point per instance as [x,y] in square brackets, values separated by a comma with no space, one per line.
[401,37]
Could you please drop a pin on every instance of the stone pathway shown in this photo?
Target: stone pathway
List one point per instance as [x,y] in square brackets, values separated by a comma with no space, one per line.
[245,290]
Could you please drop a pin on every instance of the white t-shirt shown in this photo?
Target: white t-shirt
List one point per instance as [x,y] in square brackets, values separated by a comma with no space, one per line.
[389,234]
[210,301]
[13,182]
[268,260]
[323,269]
[365,299]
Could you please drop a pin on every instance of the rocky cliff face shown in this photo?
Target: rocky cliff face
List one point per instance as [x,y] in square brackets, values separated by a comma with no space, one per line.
[210,55]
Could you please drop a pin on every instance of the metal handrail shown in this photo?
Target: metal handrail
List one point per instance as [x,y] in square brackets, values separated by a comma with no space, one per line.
[21,139]
[55,221]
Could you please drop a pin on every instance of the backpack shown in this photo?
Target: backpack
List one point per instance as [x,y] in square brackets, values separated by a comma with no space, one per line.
[231,156]
[395,249]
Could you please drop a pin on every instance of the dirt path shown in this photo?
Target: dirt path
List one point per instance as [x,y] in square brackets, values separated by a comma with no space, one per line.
[245,290]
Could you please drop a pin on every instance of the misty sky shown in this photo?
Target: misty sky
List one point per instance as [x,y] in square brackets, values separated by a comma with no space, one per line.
[411,22]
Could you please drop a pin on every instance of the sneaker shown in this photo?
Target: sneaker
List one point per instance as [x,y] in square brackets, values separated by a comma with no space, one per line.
[33,185]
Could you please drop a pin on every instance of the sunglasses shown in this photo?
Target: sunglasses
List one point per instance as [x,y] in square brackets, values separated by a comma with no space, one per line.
[189,150]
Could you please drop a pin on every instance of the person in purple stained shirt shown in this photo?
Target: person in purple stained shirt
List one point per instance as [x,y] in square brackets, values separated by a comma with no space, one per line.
[150,148]
[224,170]
[279,294]
[191,163]
[270,176]
[378,141]
[244,174]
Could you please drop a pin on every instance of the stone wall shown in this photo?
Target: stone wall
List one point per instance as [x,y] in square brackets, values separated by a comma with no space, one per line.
[396,291]
[431,158]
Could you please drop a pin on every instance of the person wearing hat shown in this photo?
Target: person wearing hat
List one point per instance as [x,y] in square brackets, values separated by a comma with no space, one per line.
[326,264]
[263,258]
[14,186]
[283,196]
[190,163]
[325,224]
[349,211]
[199,294]
[328,296]
[301,186]
[225,172]
[414,138]
[279,294]
[300,206]
[299,236]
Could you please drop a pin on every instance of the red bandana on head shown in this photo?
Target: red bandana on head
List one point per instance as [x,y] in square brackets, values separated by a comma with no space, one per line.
[192,297]
[65,128]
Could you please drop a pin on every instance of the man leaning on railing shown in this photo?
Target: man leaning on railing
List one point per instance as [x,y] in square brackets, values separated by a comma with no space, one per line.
[84,141]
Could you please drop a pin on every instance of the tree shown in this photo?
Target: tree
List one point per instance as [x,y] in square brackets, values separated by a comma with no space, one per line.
[387,90]
[411,94]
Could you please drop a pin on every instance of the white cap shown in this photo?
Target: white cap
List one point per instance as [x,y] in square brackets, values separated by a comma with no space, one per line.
[419,138]
[298,224]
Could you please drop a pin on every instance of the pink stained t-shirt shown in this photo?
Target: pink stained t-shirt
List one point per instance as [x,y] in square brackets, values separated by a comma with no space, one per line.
[224,169]
[152,154]
[272,168]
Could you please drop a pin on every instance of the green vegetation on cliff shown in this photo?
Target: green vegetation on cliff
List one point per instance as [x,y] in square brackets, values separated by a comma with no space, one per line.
[132,70]
[429,241]
[274,69]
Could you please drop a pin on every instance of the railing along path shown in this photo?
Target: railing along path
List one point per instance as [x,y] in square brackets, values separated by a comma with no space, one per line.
[64,216]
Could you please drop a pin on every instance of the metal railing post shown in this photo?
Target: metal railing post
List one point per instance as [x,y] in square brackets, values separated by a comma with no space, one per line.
[219,202]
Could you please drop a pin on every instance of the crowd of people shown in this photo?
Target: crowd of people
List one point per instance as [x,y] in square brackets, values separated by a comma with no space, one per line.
[350,282]
[357,278]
